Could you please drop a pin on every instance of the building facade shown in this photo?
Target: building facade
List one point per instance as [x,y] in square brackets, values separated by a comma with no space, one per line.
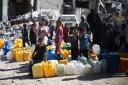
[9,9]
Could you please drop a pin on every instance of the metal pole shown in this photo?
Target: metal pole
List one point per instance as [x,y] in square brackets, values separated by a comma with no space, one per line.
[96,5]
[74,6]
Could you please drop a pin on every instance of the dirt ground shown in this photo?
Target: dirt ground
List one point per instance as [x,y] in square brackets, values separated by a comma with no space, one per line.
[16,73]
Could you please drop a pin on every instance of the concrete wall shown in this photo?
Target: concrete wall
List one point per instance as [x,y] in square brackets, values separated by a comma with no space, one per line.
[3,10]
[49,4]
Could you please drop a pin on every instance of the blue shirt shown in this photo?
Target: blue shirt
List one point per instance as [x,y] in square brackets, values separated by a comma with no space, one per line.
[84,42]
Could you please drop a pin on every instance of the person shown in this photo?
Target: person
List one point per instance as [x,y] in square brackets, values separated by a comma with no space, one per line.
[74,45]
[25,35]
[33,34]
[112,46]
[66,32]
[58,38]
[45,27]
[41,24]
[44,32]
[118,19]
[104,34]
[39,28]
[95,24]
[39,54]
[44,36]
[90,19]
[122,36]
[51,29]
[84,40]
[84,24]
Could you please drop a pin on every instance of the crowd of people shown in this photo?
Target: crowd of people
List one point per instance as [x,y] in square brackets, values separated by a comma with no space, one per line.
[106,34]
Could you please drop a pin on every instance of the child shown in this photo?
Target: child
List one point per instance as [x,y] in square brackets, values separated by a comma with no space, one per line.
[74,45]
[66,32]
[44,36]
[85,41]
[39,54]
[58,38]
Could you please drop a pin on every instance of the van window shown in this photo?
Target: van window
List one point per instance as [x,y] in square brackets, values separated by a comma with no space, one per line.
[68,18]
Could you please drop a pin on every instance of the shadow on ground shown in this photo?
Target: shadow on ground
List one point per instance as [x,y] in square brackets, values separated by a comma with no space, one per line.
[91,77]
[22,72]
[21,77]
[22,68]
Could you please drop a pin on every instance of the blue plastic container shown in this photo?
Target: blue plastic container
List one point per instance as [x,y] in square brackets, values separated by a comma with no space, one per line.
[103,56]
[82,59]
[113,62]
[51,55]
[103,51]
[7,47]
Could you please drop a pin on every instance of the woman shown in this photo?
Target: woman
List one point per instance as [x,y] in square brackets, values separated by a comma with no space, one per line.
[58,38]
[66,32]
[33,34]
[39,54]
[25,35]
[74,45]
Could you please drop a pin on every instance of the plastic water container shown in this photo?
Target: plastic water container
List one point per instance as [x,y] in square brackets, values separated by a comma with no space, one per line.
[103,56]
[70,69]
[1,52]
[9,56]
[7,47]
[113,62]
[82,59]
[54,61]
[79,68]
[104,65]
[96,49]
[88,69]
[96,66]
[51,55]
[60,70]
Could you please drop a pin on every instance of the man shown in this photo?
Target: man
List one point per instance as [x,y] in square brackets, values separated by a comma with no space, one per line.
[84,24]
[95,23]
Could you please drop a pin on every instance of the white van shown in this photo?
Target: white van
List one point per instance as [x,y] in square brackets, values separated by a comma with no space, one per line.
[71,20]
